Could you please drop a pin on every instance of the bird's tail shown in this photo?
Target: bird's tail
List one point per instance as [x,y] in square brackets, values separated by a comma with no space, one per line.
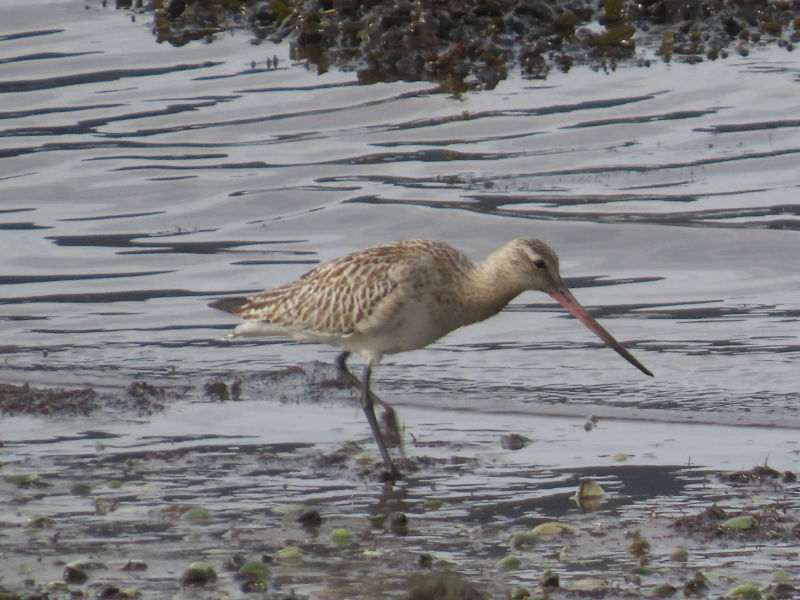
[232,305]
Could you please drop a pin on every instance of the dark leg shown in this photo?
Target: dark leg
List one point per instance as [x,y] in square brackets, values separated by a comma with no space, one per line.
[341,360]
[368,401]
[369,410]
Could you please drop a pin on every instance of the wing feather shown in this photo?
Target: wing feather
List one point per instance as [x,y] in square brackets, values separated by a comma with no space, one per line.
[339,297]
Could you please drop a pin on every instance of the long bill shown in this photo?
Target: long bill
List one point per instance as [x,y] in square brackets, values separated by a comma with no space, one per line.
[568,301]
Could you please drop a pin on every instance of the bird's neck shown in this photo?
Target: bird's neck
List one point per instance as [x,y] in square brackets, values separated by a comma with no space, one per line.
[490,286]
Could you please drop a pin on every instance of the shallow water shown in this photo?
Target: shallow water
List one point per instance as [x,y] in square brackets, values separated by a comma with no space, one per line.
[139,181]
[251,479]
[139,184]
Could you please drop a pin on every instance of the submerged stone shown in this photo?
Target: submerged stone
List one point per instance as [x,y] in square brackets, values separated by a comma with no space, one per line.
[290,554]
[521,541]
[199,574]
[253,570]
[310,518]
[664,590]
[509,563]
[553,528]
[445,586]
[341,536]
[195,514]
[746,591]
[550,579]
[740,522]
[679,555]
[23,480]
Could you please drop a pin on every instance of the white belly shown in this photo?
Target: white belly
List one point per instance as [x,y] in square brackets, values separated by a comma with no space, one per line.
[415,326]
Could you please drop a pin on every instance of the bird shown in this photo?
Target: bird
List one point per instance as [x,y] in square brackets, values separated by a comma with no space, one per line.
[401,296]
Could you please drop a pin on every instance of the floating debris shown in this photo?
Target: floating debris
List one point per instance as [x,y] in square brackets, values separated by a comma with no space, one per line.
[103,506]
[290,554]
[310,518]
[589,495]
[746,591]
[520,541]
[78,571]
[553,528]
[144,389]
[24,480]
[638,546]
[216,389]
[199,574]
[290,507]
[509,563]
[520,593]
[679,555]
[740,522]
[80,489]
[75,576]
[341,536]
[398,523]
[40,522]
[445,586]
[550,579]
[696,586]
[514,441]
[664,590]
[28,400]
[134,564]
[433,503]
[770,522]
[760,474]
[196,514]
[24,399]
[253,571]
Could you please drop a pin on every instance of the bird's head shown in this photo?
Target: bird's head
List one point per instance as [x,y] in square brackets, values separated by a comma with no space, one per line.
[537,264]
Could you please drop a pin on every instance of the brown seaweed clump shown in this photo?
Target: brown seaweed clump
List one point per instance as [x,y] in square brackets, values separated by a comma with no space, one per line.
[463,44]
[141,397]
[769,523]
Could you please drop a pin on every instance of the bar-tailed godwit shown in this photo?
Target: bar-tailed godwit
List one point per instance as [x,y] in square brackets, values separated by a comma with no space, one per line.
[402,296]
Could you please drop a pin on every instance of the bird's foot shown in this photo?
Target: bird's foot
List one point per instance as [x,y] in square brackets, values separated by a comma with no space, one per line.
[390,475]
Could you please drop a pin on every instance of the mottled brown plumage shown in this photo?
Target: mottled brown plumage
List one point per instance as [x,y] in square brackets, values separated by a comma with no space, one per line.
[402,296]
[356,292]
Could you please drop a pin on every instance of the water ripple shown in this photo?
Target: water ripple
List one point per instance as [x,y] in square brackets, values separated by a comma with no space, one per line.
[142,181]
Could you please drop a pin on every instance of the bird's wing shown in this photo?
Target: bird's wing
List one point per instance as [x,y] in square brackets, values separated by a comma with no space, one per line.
[352,293]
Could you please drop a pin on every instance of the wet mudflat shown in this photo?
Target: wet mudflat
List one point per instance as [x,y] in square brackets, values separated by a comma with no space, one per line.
[282,498]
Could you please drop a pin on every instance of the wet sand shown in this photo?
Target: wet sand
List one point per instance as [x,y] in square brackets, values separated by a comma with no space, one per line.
[120,502]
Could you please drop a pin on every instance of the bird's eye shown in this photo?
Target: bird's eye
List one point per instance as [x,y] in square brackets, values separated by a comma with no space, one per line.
[539,263]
